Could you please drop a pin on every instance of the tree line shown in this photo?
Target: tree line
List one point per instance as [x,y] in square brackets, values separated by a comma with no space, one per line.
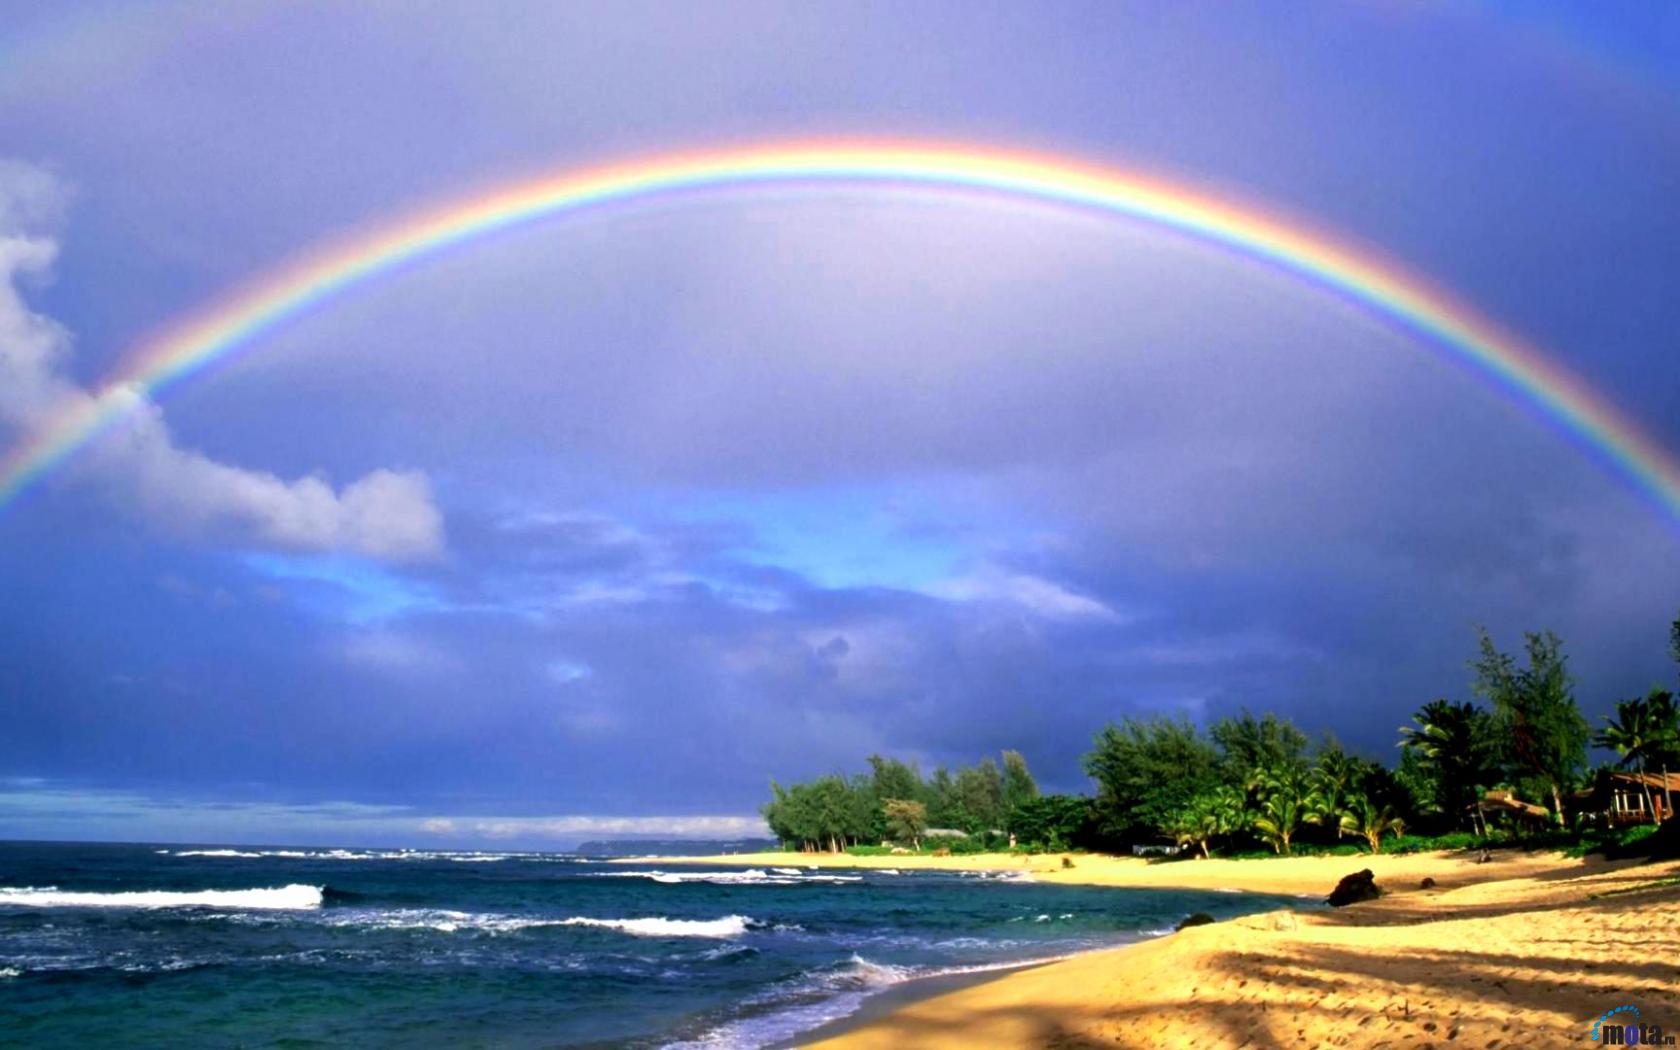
[892,802]
[1259,781]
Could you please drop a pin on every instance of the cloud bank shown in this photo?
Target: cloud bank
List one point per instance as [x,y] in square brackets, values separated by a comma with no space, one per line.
[386,514]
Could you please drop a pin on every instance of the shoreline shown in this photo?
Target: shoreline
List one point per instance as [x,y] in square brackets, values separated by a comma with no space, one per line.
[882,1004]
[1312,876]
[1500,963]
[1526,949]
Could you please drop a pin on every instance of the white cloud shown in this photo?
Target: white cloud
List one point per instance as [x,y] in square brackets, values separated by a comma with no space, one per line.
[384,514]
[1032,594]
[31,807]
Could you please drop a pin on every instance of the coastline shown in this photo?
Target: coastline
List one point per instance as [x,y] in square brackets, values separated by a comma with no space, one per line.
[881,1005]
[1527,961]
[1287,876]
[1528,949]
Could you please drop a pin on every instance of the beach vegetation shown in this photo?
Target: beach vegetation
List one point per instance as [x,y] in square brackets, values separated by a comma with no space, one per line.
[1283,806]
[1454,753]
[1541,726]
[1491,772]
[1370,821]
[906,820]
[1147,771]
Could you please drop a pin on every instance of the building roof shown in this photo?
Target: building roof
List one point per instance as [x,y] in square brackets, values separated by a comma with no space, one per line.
[1654,781]
[1505,801]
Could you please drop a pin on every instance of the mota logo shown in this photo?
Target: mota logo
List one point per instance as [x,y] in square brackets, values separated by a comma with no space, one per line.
[1613,1030]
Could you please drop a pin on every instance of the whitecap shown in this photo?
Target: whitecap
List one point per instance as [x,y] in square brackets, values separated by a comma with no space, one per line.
[212,853]
[724,928]
[293,897]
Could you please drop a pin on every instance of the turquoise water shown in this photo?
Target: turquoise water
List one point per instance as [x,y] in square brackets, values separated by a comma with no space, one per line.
[131,946]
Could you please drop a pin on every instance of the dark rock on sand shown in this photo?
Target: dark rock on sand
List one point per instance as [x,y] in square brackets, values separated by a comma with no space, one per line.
[1360,886]
[1427,883]
[1200,918]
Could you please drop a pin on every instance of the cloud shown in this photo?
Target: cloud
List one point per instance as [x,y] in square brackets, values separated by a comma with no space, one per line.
[391,652]
[387,514]
[33,807]
[1028,593]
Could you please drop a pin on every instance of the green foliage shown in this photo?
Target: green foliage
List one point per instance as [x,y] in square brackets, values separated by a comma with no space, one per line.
[1370,821]
[1283,795]
[1215,813]
[905,819]
[1454,840]
[1253,780]
[1542,727]
[1252,747]
[1019,788]
[977,798]
[1147,771]
[892,801]
[1055,822]
[1644,731]
[869,851]
[959,845]
[891,778]
[1453,752]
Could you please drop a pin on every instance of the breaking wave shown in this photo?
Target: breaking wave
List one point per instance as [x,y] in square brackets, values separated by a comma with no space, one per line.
[294,897]
[815,998]
[749,877]
[727,927]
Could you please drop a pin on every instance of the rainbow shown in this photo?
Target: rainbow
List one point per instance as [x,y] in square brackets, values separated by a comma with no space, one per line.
[238,321]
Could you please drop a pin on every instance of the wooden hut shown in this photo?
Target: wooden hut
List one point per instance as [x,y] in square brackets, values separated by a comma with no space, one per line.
[1622,799]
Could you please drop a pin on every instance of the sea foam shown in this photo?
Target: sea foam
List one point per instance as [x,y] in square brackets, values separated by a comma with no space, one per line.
[726,927]
[293,897]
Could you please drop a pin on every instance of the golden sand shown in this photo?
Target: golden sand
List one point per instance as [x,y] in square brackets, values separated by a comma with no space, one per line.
[1524,951]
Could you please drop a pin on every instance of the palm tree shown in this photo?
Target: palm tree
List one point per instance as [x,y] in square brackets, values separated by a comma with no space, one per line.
[1283,806]
[1331,780]
[1642,728]
[1208,816]
[1456,744]
[1196,824]
[1363,817]
[1665,735]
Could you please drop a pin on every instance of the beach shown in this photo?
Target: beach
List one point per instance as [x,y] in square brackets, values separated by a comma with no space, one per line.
[1525,950]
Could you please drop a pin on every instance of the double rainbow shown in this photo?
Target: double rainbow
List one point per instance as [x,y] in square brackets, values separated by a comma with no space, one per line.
[237,322]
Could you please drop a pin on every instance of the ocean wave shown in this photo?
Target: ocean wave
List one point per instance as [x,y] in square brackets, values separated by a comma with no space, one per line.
[438,919]
[8,972]
[293,897]
[727,927]
[818,997]
[749,877]
[210,853]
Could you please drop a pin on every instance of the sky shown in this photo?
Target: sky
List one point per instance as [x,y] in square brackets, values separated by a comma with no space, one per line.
[593,528]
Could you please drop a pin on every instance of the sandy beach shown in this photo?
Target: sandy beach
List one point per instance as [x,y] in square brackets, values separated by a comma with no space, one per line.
[1526,950]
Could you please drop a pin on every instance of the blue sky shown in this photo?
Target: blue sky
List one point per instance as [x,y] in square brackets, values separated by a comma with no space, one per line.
[595,527]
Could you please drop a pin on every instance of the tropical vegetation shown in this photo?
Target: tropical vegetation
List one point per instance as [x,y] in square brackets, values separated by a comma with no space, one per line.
[1258,783]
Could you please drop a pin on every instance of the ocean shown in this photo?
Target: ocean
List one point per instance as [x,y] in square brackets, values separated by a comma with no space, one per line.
[226,946]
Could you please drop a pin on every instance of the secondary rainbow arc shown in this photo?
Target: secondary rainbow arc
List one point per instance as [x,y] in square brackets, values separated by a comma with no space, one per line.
[237,321]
